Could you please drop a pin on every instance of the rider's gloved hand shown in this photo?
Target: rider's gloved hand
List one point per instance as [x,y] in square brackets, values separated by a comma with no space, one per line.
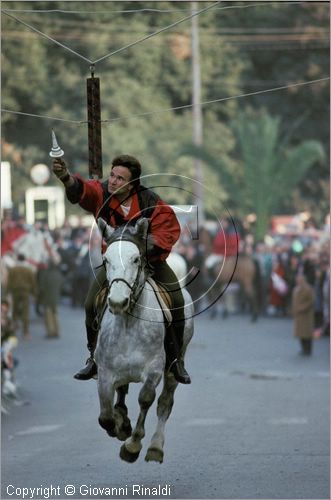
[60,170]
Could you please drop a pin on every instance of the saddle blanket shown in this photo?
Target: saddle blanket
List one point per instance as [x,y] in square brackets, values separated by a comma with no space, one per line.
[164,299]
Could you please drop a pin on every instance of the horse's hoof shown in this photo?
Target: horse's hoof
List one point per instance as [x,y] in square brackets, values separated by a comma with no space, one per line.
[108,425]
[126,427]
[127,456]
[122,436]
[154,455]
[125,430]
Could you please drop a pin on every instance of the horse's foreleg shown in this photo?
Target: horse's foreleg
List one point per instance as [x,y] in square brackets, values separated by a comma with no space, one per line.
[164,407]
[132,446]
[123,424]
[106,392]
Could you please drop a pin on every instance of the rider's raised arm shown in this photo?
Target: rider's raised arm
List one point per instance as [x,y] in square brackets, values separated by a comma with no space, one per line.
[87,193]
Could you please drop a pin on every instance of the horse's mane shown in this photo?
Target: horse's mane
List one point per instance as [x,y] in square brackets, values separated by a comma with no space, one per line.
[129,232]
[124,232]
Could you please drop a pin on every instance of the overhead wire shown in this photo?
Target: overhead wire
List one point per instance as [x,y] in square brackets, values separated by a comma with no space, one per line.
[93,62]
[259,37]
[186,106]
[196,13]
[145,9]
[5,11]
[77,122]
[48,37]
[172,25]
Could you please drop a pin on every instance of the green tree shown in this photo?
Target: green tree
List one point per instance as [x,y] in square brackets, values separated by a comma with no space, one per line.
[242,50]
[271,168]
[268,168]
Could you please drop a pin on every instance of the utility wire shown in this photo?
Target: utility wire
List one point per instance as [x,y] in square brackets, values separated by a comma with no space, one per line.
[161,11]
[47,36]
[118,50]
[174,108]
[41,116]
[156,33]
[5,11]
[147,113]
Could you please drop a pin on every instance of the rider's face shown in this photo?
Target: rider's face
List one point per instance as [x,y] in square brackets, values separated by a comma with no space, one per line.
[119,181]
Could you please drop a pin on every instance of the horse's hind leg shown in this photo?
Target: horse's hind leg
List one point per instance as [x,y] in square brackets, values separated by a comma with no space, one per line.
[123,424]
[164,407]
[131,448]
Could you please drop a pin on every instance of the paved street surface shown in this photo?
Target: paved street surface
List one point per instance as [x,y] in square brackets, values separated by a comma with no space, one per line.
[253,424]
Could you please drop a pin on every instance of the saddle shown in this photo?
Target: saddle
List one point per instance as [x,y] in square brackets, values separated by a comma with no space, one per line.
[100,305]
[164,299]
[162,294]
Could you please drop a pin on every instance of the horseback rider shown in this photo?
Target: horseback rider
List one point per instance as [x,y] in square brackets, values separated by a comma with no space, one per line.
[120,200]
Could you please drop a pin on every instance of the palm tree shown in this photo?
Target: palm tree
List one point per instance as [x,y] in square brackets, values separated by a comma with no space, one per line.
[270,168]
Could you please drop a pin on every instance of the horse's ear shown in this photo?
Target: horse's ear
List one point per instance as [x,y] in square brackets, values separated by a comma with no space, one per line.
[142,228]
[105,230]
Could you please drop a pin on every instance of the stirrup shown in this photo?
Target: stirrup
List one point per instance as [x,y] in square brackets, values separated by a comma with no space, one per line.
[89,371]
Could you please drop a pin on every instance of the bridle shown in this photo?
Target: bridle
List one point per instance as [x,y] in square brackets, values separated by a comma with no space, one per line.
[135,288]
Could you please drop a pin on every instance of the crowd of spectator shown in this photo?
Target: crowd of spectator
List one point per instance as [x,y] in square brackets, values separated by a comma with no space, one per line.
[73,253]
[281,258]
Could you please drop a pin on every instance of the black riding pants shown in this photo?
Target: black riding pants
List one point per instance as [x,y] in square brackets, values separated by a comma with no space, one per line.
[163,274]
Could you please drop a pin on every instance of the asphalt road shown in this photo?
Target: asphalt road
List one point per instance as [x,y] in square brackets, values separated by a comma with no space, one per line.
[253,424]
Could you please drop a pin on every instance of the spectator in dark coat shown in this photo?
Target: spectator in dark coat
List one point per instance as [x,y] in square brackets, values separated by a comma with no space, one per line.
[50,287]
[21,284]
[303,313]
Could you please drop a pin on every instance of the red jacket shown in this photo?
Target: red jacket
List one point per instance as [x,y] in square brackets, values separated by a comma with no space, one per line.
[164,226]
[9,235]
[226,244]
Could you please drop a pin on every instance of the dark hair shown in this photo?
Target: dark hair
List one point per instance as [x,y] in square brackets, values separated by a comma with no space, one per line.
[131,163]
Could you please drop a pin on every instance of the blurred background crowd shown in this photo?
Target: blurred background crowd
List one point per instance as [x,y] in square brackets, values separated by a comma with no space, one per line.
[59,265]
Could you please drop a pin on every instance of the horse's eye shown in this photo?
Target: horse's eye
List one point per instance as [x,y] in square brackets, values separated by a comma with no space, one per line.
[136,260]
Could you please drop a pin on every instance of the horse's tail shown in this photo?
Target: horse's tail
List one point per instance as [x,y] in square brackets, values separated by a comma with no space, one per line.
[257,284]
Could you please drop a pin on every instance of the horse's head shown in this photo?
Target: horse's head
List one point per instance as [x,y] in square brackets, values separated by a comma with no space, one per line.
[125,262]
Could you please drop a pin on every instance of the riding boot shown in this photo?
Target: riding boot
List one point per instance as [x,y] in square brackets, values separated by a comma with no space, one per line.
[173,346]
[90,370]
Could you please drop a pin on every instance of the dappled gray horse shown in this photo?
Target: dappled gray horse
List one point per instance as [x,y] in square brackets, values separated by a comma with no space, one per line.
[130,344]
